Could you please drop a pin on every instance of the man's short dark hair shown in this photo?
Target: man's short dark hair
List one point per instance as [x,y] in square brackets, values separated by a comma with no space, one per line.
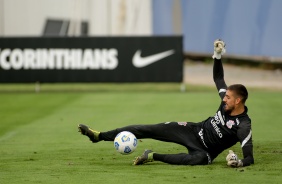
[240,90]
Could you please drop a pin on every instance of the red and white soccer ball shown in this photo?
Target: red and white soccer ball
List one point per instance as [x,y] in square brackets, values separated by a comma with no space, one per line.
[125,142]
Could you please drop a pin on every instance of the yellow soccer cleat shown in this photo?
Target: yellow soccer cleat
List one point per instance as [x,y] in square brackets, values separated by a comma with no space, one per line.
[92,134]
[147,156]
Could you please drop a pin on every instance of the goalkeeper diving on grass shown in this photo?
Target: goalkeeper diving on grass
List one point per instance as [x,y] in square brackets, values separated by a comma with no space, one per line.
[204,140]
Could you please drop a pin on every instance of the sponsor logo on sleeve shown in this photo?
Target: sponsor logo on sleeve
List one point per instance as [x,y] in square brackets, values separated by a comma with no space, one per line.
[182,123]
[237,121]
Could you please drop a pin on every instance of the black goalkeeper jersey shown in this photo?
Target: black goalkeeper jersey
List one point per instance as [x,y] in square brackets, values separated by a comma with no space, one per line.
[222,131]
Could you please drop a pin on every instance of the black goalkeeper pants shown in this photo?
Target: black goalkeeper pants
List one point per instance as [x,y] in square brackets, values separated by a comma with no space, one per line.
[181,133]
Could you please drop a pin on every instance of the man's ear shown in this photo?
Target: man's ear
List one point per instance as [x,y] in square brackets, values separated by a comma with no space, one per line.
[238,100]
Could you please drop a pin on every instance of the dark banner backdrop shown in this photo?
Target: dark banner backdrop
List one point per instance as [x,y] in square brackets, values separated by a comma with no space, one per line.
[91,59]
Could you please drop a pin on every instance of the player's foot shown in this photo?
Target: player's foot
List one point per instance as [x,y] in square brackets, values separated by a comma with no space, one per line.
[147,156]
[92,134]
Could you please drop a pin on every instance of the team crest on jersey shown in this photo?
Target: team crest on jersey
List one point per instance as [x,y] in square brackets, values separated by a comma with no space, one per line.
[182,123]
[230,123]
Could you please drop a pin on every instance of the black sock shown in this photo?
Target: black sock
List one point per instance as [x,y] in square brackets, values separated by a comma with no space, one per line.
[158,157]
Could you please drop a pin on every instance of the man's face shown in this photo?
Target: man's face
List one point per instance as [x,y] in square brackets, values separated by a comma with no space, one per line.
[230,101]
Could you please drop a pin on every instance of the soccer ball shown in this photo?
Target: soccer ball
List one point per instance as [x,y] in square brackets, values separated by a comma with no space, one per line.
[125,142]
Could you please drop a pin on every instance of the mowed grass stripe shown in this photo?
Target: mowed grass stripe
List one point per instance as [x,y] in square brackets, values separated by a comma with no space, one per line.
[18,109]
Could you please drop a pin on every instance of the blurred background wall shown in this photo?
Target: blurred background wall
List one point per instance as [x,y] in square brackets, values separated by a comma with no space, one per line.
[105,17]
[250,28]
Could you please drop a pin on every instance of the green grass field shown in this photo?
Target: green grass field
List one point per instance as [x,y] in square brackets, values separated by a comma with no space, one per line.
[39,142]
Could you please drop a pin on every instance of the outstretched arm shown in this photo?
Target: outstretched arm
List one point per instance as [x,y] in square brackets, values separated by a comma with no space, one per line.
[244,134]
[218,73]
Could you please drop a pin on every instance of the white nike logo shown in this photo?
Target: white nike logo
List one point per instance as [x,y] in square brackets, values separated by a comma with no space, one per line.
[140,62]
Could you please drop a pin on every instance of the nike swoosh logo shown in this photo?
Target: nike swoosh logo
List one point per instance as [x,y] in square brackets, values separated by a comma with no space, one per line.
[140,62]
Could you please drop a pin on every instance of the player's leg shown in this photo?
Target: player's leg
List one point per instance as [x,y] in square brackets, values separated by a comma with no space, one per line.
[169,132]
[197,154]
[197,158]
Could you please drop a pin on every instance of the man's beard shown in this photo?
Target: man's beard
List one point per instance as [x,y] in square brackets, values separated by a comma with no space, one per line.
[228,111]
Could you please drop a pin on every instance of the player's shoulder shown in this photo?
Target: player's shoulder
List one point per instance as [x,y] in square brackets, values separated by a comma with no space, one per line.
[244,116]
[244,122]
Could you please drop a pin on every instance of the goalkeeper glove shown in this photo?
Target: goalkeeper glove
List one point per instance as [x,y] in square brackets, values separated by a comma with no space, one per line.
[219,49]
[232,160]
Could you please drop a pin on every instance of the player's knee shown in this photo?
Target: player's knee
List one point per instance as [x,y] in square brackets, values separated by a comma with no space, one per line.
[197,159]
